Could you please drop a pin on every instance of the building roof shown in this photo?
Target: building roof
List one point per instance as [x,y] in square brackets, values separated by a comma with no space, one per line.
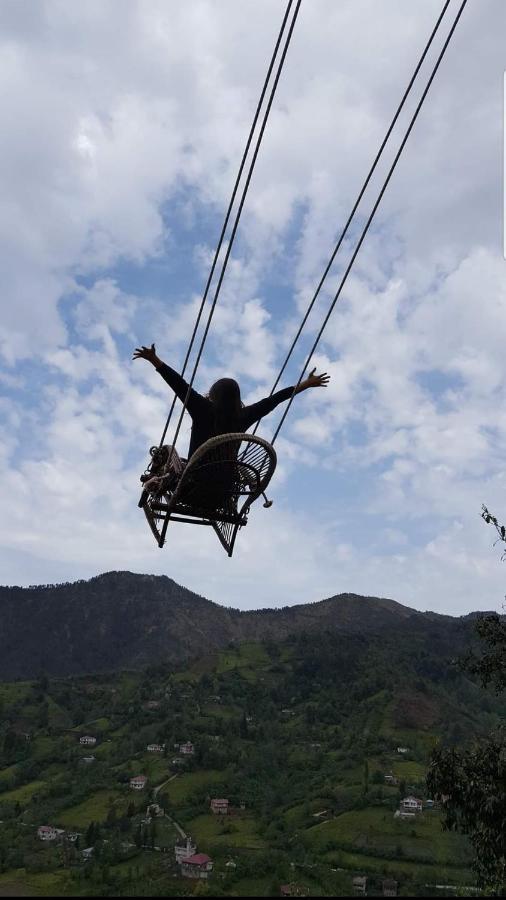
[199,859]
[46,828]
[139,778]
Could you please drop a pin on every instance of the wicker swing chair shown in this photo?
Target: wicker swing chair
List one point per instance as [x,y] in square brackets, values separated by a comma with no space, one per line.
[217,486]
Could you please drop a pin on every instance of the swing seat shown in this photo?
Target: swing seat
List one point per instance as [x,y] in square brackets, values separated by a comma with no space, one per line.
[217,487]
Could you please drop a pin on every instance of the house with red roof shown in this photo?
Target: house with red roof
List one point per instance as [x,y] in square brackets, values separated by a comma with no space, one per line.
[138,782]
[198,866]
[219,807]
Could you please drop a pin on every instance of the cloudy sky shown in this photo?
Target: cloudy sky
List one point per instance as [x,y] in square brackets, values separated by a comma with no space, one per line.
[124,122]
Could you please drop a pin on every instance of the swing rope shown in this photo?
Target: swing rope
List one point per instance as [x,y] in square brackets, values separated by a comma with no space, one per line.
[372,214]
[363,189]
[239,211]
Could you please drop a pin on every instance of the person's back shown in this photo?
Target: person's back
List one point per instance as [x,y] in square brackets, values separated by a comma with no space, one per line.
[222,411]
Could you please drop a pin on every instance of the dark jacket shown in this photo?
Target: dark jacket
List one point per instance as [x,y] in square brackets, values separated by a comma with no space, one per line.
[202,412]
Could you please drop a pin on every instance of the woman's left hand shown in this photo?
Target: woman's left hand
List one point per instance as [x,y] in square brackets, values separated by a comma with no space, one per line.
[317,380]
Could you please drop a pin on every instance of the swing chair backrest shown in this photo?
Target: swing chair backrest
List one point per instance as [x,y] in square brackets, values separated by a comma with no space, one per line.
[225,469]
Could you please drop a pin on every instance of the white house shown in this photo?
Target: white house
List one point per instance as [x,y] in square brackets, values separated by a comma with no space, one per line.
[402,749]
[47,833]
[87,759]
[88,739]
[411,804]
[187,749]
[138,782]
[155,748]
[184,849]
[198,866]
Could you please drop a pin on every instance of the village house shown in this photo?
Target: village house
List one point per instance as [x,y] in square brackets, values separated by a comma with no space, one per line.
[153,704]
[219,807]
[177,761]
[87,853]
[88,739]
[411,804]
[88,759]
[428,804]
[198,866]
[389,887]
[155,748]
[391,779]
[47,833]
[293,890]
[187,749]
[402,749]
[138,782]
[184,849]
[360,884]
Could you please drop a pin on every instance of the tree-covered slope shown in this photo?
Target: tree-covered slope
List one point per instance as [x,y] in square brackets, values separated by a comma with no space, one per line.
[121,620]
[298,734]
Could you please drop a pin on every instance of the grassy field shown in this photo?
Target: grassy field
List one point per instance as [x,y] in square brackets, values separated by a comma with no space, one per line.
[153,765]
[94,809]
[253,887]
[182,787]
[422,873]
[213,831]
[377,833]
[14,692]
[22,794]
[408,770]
[20,883]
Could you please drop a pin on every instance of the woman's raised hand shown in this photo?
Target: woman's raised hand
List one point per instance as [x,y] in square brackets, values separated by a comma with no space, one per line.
[148,353]
[317,380]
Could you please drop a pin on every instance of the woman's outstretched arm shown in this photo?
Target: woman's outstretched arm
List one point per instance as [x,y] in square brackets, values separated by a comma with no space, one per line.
[173,378]
[263,407]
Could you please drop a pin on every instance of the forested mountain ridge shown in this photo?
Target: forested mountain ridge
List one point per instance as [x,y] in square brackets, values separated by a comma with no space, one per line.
[122,620]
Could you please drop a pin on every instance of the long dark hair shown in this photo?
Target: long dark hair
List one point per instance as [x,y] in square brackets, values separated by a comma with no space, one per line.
[225,395]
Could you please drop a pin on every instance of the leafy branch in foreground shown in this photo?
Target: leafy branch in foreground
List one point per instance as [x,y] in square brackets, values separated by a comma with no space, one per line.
[501,529]
[471,784]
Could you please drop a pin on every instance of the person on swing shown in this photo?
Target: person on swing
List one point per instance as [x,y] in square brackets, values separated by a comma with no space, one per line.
[222,410]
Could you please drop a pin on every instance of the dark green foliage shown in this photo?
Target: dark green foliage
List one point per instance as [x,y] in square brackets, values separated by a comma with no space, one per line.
[473,787]
[472,782]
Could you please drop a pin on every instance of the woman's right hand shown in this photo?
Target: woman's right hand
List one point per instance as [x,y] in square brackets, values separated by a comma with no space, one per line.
[148,353]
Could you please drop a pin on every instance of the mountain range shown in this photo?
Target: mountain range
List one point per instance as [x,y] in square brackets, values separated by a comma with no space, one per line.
[121,620]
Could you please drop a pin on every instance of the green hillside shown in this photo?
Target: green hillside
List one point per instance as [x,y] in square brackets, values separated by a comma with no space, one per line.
[297,734]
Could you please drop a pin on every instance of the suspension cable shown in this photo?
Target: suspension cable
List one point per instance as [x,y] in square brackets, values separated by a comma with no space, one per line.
[238,216]
[371,216]
[230,206]
[358,200]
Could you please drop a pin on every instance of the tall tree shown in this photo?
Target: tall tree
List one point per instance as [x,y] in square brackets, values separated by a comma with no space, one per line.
[471,783]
